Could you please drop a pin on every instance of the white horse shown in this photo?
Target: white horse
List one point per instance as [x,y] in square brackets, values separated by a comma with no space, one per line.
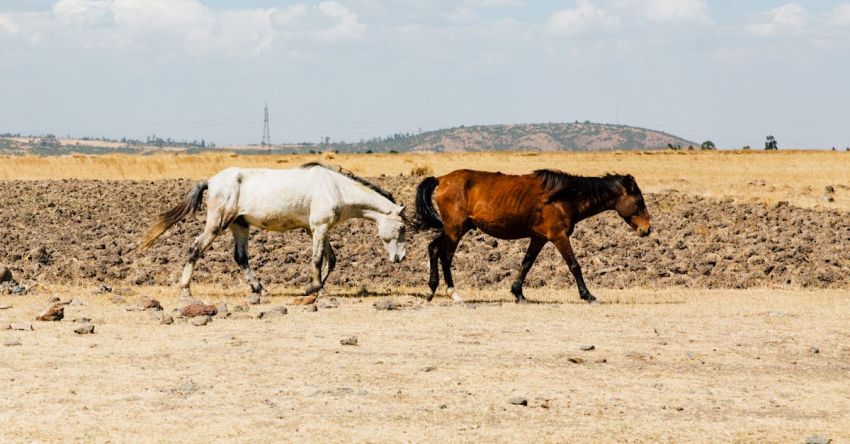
[315,196]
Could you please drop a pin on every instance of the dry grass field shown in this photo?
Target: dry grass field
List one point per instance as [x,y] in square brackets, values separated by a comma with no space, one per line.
[670,364]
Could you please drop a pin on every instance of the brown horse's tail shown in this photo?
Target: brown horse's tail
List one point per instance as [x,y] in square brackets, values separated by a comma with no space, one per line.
[190,204]
[427,216]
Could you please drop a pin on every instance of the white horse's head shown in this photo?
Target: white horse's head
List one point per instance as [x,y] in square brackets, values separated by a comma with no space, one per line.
[391,231]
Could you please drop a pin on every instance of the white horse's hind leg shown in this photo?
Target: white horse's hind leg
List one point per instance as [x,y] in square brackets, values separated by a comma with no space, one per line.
[320,233]
[219,217]
[199,246]
[240,253]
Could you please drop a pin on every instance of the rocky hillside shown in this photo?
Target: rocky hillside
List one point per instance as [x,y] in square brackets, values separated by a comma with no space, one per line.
[528,137]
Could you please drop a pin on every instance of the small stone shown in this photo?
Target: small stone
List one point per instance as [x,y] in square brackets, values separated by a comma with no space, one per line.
[588,347]
[352,340]
[149,303]
[814,350]
[429,369]
[384,304]
[311,308]
[816,439]
[575,360]
[200,320]
[86,329]
[19,290]
[103,289]
[11,342]
[518,400]
[828,189]
[81,320]
[828,198]
[273,313]
[5,274]
[21,326]
[223,311]
[5,306]
[75,303]
[304,300]
[54,312]
[165,318]
[193,310]
[54,300]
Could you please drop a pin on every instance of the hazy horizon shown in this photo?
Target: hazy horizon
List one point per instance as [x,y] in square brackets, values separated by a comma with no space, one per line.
[349,70]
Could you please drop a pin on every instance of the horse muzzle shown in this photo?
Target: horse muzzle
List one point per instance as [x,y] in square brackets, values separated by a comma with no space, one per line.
[644,232]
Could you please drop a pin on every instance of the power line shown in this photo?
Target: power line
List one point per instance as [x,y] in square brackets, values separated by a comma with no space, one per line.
[267,139]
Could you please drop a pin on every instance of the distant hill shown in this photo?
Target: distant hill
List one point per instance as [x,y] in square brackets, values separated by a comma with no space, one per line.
[529,137]
[576,136]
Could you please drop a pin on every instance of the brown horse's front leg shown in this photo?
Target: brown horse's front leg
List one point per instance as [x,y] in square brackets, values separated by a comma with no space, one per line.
[566,249]
[527,262]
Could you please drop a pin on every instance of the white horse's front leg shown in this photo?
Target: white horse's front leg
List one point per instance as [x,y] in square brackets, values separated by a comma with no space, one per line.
[320,233]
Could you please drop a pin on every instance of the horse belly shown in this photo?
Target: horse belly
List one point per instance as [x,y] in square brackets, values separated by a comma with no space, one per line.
[277,223]
[502,227]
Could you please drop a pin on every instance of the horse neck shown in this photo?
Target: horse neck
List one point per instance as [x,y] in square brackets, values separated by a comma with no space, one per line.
[368,203]
[604,201]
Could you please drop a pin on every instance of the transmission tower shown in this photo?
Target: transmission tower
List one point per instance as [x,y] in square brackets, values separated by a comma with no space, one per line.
[267,139]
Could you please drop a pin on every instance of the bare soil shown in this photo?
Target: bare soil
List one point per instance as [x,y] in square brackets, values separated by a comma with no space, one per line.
[667,366]
[61,232]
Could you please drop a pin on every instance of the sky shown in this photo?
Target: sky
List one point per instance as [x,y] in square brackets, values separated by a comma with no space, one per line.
[727,71]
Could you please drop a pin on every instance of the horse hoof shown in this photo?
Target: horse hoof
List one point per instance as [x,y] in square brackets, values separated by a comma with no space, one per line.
[429,297]
[310,290]
[592,301]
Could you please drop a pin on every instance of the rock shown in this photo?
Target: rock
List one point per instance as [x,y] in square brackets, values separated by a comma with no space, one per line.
[311,308]
[304,300]
[22,326]
[518,400]
[429,369]
[54,312]
[5,306]
[816,439]
[828,189]
[5,274]
[201,320]
[75,303]
[149,303]
[19,290]
[384,304]
[117,300]
[11,342]
[103,289]
[575,360]
[193,310]
[588,347]
[330,303]
[273,313]
[828,198]
[86,329]
[223,311]
[352,340]
[54,300]
[165,318]
[814,350]
[81,320]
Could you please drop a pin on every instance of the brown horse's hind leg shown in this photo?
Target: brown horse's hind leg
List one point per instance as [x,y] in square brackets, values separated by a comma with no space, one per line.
[433,258]
[527,262]
[563,244]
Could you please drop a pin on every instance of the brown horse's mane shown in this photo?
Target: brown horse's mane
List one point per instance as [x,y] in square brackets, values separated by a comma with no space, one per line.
[353,177]
[559,185]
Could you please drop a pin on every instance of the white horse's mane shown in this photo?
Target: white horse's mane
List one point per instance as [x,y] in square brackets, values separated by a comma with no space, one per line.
[353,177]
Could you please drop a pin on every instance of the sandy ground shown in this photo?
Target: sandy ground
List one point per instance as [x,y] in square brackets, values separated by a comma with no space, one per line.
[669,365]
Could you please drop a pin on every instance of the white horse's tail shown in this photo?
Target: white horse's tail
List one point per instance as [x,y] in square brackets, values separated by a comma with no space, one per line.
[190,204]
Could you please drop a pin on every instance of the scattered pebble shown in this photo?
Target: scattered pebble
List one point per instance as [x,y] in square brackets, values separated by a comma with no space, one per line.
[149,303]
[385,304]
[223,311]
[576,360]
[11,342]
[311,308]
[75,303]
[5,306]
[54,312]
[198,321]
[86,329]
[518,400]
[429,368]
[348,341]
[814,350]
[273,313]
[588,347]
[103,289]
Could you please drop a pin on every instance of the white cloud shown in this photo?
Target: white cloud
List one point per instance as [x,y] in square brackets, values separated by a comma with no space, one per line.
[786,19]
[840,16]
[347,23]
[677,11]
[7,25]
[585,16]
[84,13]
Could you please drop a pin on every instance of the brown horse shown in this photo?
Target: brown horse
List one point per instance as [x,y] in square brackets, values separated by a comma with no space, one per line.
[544,206]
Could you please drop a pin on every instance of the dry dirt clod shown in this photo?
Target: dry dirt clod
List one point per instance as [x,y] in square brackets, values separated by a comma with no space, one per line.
[21,326]
[193,310]
[54,312]
[201,320]
[588,347]
[86,329]
[576,360]
[385,304]
[352,340]
[518,400]
[273,313]
[311,308]
[304,300]
[149,303]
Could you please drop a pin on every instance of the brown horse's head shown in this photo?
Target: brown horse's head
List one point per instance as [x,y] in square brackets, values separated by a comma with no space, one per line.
[632,208]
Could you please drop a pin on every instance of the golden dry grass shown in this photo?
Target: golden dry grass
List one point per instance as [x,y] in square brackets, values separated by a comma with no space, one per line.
[669,366]
[795,176]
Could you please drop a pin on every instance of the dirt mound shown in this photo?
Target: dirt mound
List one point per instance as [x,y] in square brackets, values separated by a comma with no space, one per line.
[74,231]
